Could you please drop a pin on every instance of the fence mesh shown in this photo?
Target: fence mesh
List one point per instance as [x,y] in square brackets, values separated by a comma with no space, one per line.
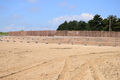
[66,33]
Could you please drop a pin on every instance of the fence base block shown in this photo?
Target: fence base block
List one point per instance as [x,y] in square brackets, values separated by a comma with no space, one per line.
[7,40]
[99,45]
[72,43]
[28,41]
[114,46]
[85,44]
[59,43]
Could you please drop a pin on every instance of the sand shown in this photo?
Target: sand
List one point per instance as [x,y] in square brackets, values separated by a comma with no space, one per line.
[40,61]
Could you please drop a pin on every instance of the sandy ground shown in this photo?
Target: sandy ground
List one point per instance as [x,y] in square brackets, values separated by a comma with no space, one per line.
[40,61]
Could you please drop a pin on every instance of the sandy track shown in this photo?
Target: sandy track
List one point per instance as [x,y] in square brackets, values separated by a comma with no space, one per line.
[38,61]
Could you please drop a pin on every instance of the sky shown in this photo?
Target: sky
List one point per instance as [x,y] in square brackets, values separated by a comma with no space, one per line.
[35,15]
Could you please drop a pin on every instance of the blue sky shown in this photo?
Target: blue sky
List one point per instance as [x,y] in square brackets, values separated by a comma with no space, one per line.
[17,15]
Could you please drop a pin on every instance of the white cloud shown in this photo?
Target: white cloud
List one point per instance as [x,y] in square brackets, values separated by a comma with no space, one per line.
[58,20]
[22,22]
[8,28]
[71,7]
[21,28]
[16,17]
[34,9]
[34,28]
[87,16]
[11,25]
[63,3]
[33,1]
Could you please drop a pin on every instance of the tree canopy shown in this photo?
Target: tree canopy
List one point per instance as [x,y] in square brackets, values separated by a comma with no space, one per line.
[111,23]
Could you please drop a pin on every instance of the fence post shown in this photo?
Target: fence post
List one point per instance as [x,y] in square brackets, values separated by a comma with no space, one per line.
[60,41]
[85,42]
[115,42]
[99,41]
[71,40]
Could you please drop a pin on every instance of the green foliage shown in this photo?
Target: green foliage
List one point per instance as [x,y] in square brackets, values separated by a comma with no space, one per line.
[81,25]
[95,24]
[3,33]
[63,26]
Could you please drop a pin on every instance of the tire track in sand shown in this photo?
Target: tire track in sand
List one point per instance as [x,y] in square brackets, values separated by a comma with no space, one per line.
[32,67]
[88,67]
[76,73]
[65,69]
[13,73]
[94,71]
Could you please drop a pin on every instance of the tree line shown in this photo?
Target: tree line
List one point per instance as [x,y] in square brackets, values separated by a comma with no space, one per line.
[3,33]
[111,23]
